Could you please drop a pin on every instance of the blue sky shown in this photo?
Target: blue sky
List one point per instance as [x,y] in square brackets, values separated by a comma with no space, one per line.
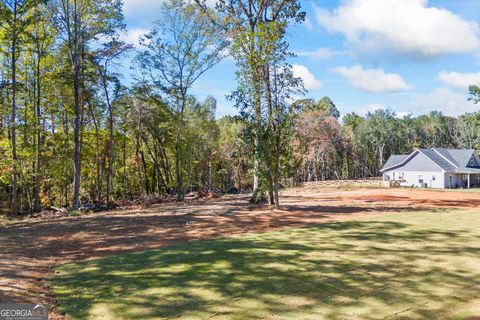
[413,56]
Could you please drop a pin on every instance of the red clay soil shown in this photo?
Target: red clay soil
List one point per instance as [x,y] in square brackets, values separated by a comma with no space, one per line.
[31,248]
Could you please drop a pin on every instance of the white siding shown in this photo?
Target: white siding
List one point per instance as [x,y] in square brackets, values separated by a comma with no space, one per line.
[419,165]
[412,178]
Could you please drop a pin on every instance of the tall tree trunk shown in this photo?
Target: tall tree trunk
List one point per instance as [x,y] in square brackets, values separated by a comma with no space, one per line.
[271,198]
[257,103]
[110,140]
[124,163]
[66,160]
[165,166]
[38,137]
[137,156]
[145,174]
[76,138]
[14,114]
[239,177]
[179,151]
[156,167]
[97,155]
[276,172]
[178,167]
[210,173]
[271,156]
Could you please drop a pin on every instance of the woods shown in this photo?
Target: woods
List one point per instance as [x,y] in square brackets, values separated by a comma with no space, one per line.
[74,131]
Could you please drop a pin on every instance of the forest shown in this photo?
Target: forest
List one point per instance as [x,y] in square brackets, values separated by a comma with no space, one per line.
[74,131]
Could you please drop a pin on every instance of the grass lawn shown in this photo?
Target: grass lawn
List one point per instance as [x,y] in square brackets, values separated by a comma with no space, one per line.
[471,190]
[406,266]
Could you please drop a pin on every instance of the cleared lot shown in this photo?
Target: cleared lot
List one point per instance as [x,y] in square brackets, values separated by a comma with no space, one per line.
[412,266]
[30,249]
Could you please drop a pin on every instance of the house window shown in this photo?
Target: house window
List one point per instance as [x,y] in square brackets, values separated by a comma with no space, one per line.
[386,177]
[450,179]
[420,178]
[401,176]
[434,178]
[472,163]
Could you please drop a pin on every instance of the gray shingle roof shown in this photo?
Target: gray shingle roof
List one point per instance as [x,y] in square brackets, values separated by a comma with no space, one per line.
[445,152]
[438,159]
[450,160]
[461,157]
[394,160]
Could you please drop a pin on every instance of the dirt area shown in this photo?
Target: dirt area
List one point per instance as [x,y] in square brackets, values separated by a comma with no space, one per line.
[30,248]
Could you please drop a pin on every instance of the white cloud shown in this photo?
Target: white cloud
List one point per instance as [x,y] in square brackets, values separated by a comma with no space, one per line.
[369,108]
[308,24]
[445,100]
[321,53]
[133,35]
[372,80]
[408,27]
[363,111]
[402,114]
[459,80]
[309,80]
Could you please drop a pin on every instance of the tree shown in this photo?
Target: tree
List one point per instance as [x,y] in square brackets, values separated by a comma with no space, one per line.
[280,89]
[181,47]
[380,135]
[41,40]
[319,137]
[468,131]
[111,51]
[437,130]
[18,17]
[232,146]
[325,105]
[474,91]
[81,21]
[257,29]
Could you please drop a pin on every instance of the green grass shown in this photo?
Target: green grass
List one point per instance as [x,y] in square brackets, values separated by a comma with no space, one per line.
[406,266]
[471,190]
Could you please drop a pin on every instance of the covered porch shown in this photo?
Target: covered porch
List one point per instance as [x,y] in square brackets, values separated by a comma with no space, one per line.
[464,180]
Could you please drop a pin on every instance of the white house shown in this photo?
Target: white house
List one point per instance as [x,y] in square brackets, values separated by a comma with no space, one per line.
[434,168]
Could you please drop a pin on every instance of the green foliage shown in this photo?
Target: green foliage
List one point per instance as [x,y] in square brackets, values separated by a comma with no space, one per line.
[180,48]
[468,131]
[154,136]
[474,91]
[265,82]
[324,105]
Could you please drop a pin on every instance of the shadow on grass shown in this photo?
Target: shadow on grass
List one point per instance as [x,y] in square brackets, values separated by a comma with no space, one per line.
[364,269]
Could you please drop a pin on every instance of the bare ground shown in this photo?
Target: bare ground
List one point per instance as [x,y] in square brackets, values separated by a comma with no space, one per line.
[30,248]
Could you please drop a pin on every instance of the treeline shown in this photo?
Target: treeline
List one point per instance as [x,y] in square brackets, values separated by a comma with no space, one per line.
[351,147]
[72,132]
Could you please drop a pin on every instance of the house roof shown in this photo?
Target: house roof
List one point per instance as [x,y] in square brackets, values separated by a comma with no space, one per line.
[394,160]
[461,157]
[449,160]
[439,160]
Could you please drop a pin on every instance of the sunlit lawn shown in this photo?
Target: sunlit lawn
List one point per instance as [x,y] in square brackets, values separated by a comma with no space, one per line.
[404,266]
